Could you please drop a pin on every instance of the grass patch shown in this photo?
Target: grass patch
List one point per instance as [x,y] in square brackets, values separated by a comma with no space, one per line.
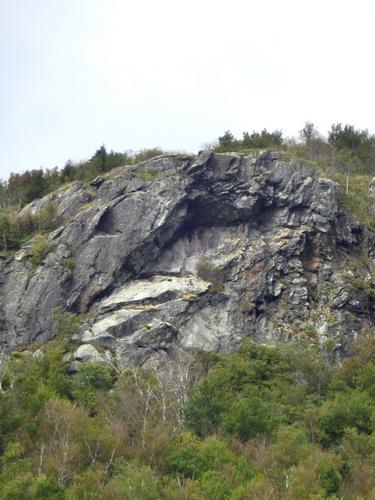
[39,249]
[147,175]
[69,264]
[357,201]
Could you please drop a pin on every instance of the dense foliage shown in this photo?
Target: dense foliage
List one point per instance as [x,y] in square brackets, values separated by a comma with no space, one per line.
[344,147]
[265,422]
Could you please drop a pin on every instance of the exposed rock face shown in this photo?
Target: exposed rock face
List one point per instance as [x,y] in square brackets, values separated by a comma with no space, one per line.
[195,252]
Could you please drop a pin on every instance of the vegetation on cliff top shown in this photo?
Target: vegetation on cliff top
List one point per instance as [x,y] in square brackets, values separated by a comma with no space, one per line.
[347,156]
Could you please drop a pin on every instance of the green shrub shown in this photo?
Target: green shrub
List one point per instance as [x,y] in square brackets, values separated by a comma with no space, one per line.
[352,409]
[47,219]
[247,408]
[65,323]
[39,249]
[134,482]
[250,416]
[14,230]
[214,485]
[356,199]
[203,459]
[90,378]
[147,154]
[147,175]
[318,477]
[47,488]
[69,263]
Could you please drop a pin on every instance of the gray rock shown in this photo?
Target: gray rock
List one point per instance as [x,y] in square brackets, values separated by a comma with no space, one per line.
[88,353]
[130,252]
[38,354]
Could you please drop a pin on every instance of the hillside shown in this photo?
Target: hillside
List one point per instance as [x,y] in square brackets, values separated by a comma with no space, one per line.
[191,327]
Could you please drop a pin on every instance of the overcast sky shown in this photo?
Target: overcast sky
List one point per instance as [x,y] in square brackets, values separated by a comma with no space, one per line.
[176,74]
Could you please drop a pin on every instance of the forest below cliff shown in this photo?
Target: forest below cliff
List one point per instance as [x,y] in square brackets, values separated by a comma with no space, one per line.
[264,422]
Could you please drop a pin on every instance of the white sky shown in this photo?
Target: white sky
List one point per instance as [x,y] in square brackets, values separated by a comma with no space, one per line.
[142,73]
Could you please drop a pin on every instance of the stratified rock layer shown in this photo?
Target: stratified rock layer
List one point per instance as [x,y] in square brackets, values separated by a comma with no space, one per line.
[194,252]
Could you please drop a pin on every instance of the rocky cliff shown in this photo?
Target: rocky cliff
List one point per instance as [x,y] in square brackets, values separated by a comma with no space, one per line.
[195,252]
